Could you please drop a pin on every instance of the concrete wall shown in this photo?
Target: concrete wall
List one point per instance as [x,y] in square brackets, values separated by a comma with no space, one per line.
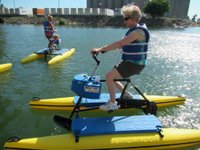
[23,11]
[103,4]
[140,3]
[178,8]
[118,4]
[2,11]
[89,3]
[53,11]
[16,11]
[111,4]
[7,11]
[60,11]
[88,11]
[47,11]
[79,11]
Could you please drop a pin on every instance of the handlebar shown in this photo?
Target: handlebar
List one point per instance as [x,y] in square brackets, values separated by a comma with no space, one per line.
[95,58]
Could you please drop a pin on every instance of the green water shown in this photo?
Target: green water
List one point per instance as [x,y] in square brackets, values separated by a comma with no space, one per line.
[173,69]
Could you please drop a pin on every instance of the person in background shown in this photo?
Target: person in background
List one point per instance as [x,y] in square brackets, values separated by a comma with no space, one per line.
[49,28]
[134,54]
[54,43]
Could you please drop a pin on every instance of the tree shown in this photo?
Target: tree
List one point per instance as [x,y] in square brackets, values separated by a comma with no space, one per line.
[194,18]
[156,8]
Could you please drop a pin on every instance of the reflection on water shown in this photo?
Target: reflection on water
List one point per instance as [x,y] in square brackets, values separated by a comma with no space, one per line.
[173,69]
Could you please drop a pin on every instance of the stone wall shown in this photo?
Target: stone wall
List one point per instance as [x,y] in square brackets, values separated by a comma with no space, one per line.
[101,21]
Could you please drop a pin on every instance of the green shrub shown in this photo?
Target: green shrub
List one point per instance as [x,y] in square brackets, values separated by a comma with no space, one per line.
[61,22]
[156,8]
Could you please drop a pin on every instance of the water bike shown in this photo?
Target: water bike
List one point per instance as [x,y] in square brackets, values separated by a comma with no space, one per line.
[139,132]
[91,98]
[142,132]
[5,67]
[55,56]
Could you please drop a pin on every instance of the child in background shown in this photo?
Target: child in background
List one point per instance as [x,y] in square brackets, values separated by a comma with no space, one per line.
[49,28]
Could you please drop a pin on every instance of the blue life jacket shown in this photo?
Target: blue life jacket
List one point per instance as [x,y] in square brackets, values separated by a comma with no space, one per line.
[136,52]
[48,30]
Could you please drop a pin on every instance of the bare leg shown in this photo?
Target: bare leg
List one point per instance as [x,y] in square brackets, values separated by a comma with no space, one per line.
[120,86]
[110,76]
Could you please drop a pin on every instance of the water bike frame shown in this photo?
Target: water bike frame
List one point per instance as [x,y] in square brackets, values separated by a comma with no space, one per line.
[46,53]
[147,106]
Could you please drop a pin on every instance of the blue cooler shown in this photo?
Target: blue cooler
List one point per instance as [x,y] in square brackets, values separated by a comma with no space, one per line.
[82,86]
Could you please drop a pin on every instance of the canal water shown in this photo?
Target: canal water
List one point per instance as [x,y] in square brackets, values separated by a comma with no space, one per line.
[173,69]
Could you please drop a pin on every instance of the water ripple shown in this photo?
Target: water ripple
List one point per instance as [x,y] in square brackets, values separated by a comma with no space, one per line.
[173,69]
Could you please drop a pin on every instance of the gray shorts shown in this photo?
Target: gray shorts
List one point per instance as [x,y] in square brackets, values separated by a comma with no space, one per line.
[127,68]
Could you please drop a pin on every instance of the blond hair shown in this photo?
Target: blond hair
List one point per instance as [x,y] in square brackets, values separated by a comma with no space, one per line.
[50,18]
[55,36]
[132,11]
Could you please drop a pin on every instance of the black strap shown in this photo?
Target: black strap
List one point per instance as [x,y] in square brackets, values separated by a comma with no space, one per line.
[159,129]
